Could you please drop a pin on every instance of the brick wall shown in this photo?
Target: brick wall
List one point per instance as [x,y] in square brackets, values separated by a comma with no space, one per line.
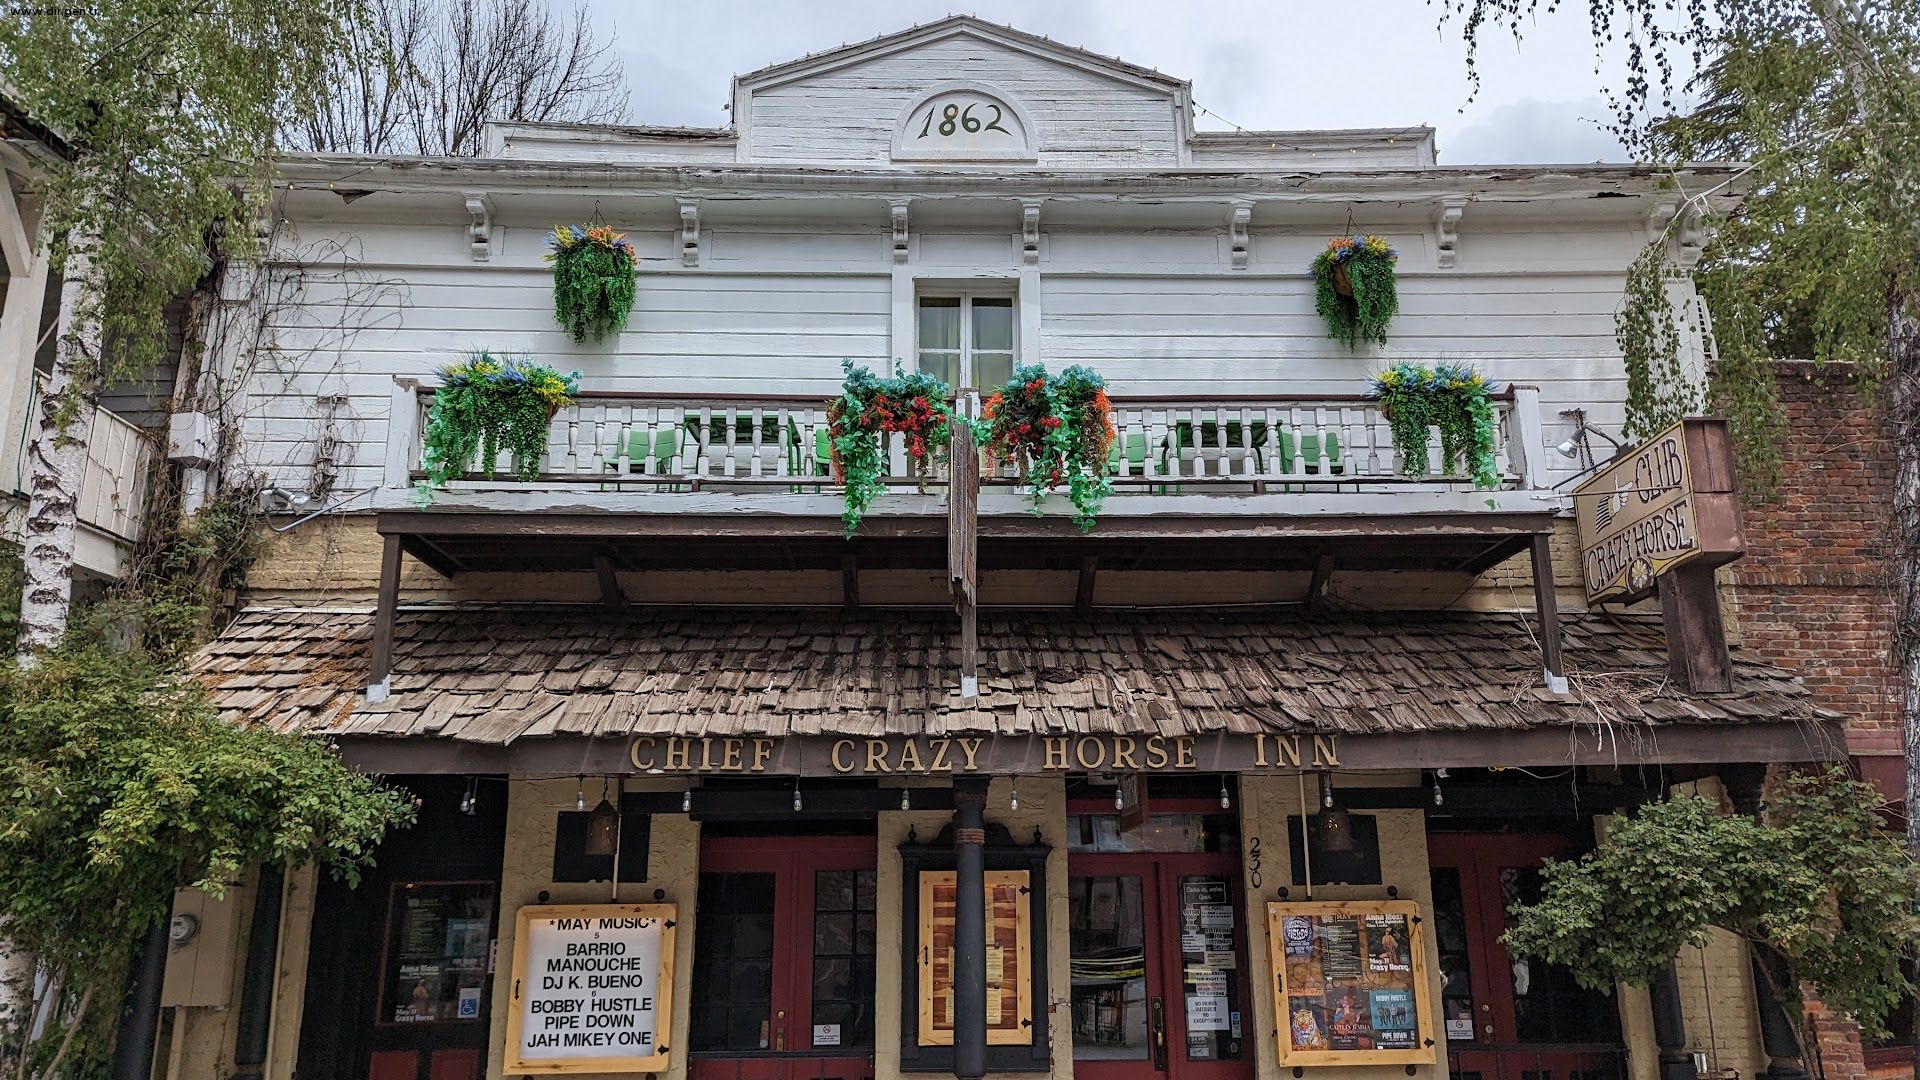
[1812,589]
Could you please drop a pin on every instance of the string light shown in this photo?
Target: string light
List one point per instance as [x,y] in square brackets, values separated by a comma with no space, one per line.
[579,794]
[686,801]
[1438,798]
[1226,802]
[905,802]
[796,794]
[1014,803]
[1119,798]
[471,800]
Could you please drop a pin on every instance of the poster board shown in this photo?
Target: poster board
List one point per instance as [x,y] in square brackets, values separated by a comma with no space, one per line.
[1351,983]
[592,989]
[1009,958]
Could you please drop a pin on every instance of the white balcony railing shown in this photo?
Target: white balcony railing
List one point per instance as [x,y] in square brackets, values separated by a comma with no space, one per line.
[617,441]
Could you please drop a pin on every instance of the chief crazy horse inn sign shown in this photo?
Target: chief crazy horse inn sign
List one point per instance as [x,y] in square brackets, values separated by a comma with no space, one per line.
[936,755]
[1671,501]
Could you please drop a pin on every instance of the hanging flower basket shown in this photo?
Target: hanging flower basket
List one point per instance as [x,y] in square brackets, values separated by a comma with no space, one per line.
[593,279]
[869,409]
[488,404]
[1354,289]
[1452,397]
[1055,430]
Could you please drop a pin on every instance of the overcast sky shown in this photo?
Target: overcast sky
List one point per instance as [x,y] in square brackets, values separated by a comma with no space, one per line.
[1268,64]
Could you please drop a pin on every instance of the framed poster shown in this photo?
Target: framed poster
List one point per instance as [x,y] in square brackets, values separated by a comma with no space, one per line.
[1009,963]
[592,989]
[1351,983]
[436,964]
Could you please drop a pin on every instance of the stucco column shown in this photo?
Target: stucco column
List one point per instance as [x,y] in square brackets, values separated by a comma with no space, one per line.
[970,929]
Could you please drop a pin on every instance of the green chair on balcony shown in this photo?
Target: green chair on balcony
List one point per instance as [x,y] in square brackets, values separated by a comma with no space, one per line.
[1308,446]
[652,453]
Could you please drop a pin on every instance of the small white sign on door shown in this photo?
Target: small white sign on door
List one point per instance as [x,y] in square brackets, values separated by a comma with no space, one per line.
[826,1034]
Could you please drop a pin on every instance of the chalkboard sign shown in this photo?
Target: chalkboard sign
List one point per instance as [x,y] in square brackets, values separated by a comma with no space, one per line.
[1351,983]
[591,989]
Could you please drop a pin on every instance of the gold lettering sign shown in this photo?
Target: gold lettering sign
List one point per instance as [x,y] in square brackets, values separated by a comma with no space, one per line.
[932,755]
[1666,503]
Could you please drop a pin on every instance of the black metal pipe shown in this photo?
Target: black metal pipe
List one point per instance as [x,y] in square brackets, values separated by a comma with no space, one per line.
[140,1020]
[970,929]
[256,987]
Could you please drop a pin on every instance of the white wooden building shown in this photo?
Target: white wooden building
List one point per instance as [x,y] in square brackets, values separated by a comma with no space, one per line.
[959,198]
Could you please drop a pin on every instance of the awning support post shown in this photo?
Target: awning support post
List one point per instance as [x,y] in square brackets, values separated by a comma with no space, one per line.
[970,929]
[963,543]
[1548,607]
[1670,1026]
[377,679]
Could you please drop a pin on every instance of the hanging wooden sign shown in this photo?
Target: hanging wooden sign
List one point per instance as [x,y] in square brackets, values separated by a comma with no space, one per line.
[592,987]
[1351,983]
[1668,502]
[1009,961]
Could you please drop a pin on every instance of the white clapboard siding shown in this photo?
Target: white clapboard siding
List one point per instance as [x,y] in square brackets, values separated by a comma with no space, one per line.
[848,115]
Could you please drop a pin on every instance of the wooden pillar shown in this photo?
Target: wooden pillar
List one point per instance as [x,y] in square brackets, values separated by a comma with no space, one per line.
[1777,1036]
[1549,609]
[383,619]
[1697,656]
[963,549]
[1670,1026]
[970,929]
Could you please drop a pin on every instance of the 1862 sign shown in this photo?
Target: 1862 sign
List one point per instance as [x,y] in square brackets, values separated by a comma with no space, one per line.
[1670,501]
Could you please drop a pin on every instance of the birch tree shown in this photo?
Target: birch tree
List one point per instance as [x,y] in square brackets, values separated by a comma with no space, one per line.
[1822,99]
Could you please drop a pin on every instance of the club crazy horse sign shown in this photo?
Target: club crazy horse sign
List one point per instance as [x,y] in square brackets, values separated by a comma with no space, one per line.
[1668,502]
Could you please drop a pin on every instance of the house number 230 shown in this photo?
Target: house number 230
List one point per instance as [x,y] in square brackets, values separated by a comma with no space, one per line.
[953,117]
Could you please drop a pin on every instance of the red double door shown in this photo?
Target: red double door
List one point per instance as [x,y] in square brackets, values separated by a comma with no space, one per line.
[1508,1018]
[1158,967]
[783,959]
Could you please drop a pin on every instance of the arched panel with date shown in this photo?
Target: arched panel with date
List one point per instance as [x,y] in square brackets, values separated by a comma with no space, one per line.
[963,121]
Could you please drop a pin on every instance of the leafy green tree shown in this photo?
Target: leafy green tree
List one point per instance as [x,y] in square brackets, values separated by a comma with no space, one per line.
[118,784]
[1815,880]
[167,110]
[1822,99]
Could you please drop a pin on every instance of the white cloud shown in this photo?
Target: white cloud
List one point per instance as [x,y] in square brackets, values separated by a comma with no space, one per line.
[1534,131]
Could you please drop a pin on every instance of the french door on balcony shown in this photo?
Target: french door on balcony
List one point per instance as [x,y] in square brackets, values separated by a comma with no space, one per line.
[783,968]
[1505,1018]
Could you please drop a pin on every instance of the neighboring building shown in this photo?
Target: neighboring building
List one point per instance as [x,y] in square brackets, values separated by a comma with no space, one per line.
[119,439]
[1263,675]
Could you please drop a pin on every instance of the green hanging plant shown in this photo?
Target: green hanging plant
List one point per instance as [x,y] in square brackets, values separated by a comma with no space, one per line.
[1055,430]
[868,409]
[593,279]
[1452,397]
[486,405]
[1354,290]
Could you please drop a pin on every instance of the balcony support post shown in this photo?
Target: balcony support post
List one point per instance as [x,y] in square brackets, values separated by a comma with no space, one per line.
[1083,593]
[1548,607]
[1526,440]
[963,545]
[403,433]
[377,680]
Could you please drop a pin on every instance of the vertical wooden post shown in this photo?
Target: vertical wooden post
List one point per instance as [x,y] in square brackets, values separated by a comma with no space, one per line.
[403,434]
[1670,1026]
[1697,656]
[850,584]
[963,544]
[970,929]
[1083,593]
[1548,607]
[1526,439]
[383,619]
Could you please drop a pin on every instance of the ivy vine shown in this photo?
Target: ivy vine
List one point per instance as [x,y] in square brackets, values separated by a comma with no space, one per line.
[1659,392]
[488,404]
[1055,430]
[1452,397]
[869,409]
[594,271]
[1354,289]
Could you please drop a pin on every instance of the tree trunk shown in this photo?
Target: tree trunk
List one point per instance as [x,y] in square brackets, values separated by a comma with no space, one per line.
[1903,407]
[56,459]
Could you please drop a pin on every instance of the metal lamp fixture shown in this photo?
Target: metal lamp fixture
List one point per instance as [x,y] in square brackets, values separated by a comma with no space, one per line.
[603,828]
[1332,826]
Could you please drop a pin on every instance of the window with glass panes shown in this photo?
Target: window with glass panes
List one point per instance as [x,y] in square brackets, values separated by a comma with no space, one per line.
[966,340]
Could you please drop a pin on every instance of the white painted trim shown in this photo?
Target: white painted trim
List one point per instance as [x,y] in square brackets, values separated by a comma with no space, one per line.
[13,233]
[902,149]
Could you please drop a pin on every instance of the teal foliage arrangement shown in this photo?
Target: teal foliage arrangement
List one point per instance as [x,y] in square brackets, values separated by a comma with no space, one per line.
[488,404]
[1354,288]
[916,407]
[1452,397]
[1055,430]
[594,270]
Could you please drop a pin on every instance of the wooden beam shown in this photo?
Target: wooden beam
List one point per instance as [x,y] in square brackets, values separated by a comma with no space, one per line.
[383,617]
[1083,593]
[610,595]
[432,554]
[850,584]
[14,244]
[1697,656]
[1322,580]
[1548,607]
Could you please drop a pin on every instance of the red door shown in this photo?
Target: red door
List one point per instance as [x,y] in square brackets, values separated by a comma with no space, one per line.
[1507,1019]
[783,972]
[1158,967]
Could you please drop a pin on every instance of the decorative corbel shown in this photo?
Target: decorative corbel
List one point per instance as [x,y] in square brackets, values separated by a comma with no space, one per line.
[689,231]
[1683,228]
[479,225]
[897,212]
[1446,231]
[1030,231]
[1239,217]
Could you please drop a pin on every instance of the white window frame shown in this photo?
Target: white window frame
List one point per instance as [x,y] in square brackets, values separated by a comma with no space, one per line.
[967,296]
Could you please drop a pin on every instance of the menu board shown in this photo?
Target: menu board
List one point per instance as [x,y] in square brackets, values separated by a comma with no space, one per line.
[591,989]
[1351,983]
[437,959]
[1009,974]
